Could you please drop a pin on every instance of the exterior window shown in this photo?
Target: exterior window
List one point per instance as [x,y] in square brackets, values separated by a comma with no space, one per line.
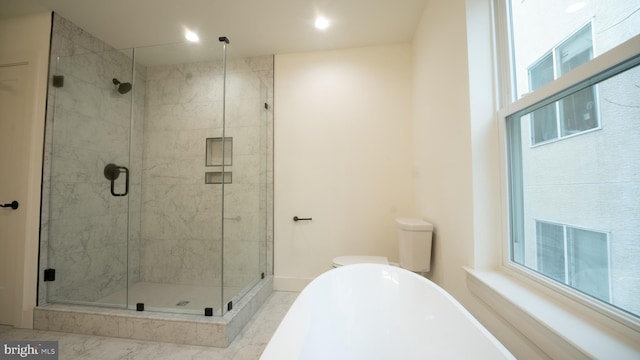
[576,257]
[576,113]
[591,181]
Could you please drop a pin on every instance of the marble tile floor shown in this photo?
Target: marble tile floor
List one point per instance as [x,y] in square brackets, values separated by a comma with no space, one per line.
[249,344]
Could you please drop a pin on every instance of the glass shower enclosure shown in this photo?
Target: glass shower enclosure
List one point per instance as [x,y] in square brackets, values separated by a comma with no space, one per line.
[158,178]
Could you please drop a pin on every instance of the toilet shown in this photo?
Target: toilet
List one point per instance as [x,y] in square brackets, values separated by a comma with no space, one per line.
[414,241]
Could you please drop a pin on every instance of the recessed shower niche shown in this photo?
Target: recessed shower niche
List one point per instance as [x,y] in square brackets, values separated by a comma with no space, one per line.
[219,151]
[156,234]
[219,154]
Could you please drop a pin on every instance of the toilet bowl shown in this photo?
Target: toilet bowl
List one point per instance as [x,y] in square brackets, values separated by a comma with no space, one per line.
[414,242]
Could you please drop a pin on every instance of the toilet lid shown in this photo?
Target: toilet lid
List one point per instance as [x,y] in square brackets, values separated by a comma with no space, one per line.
[358,259]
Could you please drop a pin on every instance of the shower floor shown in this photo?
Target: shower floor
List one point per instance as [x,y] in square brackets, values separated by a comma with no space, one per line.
[158,296]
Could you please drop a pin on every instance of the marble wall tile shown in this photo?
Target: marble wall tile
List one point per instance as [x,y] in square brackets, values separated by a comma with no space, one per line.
[245,228]
[260,63]
[162,72]
[81,96]
[241,196]
[179,225]
[172,171]
[242,258]
[242,85]
[85,40]
[91,133]
[184,90]
[246,170]
[183,197]
[119,65]
[115,108]
[91,233]
[91,68]
[206,69]
[77,41]
[74,164]
[88,275]
[246,140]
[176,145]
[243,112]
[70,200]
[187,116]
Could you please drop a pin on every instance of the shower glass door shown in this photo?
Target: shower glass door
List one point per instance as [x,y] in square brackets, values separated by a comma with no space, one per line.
[245,195]
[90,186]
[179,98]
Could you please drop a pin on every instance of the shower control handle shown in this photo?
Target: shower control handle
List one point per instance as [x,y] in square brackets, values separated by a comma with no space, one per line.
[13,205]
[295,218]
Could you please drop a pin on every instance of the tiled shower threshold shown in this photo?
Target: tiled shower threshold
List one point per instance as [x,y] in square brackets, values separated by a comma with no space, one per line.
[190,329]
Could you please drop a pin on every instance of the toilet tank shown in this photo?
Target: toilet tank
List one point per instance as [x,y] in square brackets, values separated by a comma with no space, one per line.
[414,238]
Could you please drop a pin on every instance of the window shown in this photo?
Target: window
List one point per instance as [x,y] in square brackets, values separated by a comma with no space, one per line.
[559,192]
[576,257]
[576,113]
[591,181]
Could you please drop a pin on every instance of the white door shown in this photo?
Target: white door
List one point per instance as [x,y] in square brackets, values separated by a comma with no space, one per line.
[13,173]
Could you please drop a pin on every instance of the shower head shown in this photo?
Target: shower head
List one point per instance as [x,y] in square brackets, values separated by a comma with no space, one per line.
[122,88]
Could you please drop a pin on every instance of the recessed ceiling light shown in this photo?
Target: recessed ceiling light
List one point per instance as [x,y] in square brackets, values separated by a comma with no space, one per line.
[575,7]
[191,36]
[321,23]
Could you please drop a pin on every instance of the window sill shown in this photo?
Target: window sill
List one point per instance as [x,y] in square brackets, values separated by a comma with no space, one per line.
[559,329]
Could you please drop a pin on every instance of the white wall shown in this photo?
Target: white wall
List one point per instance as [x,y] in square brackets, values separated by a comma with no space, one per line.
[343,156]
[26,39]
[442,139]
[457,152]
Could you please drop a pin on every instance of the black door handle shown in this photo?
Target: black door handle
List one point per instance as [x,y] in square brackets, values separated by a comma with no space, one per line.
[295,218]
[14,205]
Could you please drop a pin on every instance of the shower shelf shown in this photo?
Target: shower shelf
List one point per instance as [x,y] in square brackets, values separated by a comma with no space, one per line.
[217,177]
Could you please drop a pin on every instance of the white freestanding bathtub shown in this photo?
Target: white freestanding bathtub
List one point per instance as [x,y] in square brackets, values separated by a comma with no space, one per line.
[374,311]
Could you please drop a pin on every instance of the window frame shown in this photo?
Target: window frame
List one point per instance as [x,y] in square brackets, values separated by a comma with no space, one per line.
[555,63]
[600,68]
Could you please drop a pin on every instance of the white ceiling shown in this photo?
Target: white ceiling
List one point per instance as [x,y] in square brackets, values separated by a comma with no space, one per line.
[255,27]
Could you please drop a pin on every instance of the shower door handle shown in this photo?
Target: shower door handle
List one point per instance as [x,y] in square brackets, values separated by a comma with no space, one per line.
[126,182]
[112,172]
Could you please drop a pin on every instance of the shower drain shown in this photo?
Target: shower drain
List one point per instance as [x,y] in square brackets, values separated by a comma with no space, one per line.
[182,303]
